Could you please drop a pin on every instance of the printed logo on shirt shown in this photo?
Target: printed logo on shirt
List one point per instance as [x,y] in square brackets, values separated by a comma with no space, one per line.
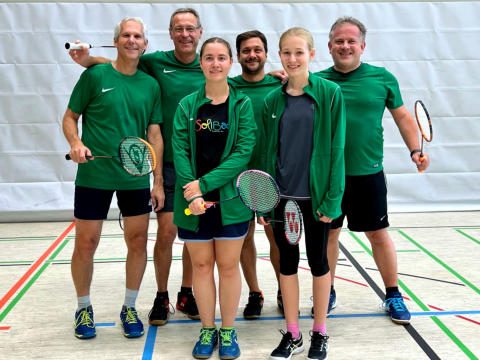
[274,116]
[168,71]
[105,90]
[210,125]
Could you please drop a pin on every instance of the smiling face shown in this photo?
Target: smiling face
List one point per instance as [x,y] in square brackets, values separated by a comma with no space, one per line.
[185,33]
[252,56]
[295,55]
[215,61]
[346,47]
[131,42]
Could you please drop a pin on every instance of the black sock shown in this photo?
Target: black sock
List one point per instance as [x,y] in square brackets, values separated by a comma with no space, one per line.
[391,290]
[331,289]
[186,290]
[163,294]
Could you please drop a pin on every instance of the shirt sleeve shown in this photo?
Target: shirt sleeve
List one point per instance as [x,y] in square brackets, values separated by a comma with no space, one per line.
[394,97]
[83,92]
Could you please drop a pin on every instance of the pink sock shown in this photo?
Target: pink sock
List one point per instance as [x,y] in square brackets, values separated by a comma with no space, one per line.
[321,328]
[294,329]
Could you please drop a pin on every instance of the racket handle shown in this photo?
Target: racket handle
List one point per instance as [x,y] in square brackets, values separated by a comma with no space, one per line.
[422,159]
[67,157]
[79,46]
[205,206]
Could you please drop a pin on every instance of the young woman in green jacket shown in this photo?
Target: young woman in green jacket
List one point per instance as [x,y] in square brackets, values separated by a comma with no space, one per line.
[303,150]
[213,138]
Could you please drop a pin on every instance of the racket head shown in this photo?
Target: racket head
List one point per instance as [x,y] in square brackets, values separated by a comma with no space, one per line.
[137,156]
[423,120]
[258,191]
[292,222]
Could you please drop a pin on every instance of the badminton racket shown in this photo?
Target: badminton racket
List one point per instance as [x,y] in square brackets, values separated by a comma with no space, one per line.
[136,156]
[292,222]
[257,190]
[81,46]
[424,124]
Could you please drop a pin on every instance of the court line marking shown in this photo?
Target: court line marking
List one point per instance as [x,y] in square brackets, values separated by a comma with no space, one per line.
[468,236]
[34,267]
[440,262]
[422,343]
[410,329]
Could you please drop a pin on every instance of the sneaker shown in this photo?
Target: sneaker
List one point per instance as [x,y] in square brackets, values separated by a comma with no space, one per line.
[253,309]
[280,302]
[160,312]
[186,303]
[207,341]
[288,346]
[332,303]
[84,324]
[228,348]
[132,326]
[396,307]
[318,346]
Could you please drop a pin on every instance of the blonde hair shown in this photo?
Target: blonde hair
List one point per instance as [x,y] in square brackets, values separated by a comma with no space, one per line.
[300,32]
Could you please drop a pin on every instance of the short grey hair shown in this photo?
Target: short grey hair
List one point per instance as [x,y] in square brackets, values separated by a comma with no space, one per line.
[185,10]
[348,20]
[118,27]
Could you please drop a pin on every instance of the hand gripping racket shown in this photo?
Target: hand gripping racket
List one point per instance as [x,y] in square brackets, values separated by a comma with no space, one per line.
[81,46]
[136,156]
[424,124]
[257,190]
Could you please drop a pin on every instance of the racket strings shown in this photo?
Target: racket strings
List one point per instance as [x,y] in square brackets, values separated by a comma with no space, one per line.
[136,156]
[258,191]
[292,217]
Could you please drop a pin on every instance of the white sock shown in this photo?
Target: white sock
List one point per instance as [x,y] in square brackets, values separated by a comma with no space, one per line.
[83,302]
[130,298]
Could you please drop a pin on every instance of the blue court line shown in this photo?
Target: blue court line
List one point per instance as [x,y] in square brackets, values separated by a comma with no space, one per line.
[105,324]
[152,330]
[149,343]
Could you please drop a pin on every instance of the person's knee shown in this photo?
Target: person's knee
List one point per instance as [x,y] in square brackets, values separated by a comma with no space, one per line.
[319,269]
[228,268]
[378,237]
[203,267]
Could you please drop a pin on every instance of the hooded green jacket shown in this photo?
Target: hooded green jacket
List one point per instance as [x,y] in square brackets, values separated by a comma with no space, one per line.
[234,160]
[327,165]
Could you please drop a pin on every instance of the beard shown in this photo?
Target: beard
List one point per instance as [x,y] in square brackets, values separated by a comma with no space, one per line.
[250,71]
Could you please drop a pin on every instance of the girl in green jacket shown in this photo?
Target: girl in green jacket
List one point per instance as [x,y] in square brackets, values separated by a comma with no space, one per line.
[213,138]
[303,150]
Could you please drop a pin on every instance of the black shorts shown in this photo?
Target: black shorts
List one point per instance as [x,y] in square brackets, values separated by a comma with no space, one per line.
[169,179]
[93,204]
[364,203]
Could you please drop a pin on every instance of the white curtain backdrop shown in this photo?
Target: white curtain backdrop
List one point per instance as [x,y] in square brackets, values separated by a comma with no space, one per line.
[432,48]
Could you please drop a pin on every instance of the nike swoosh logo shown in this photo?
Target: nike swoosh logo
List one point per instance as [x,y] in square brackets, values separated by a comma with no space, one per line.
[105,90]
[168,71]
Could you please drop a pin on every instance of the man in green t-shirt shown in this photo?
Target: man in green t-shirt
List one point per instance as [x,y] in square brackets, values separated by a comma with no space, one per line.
[115,100]
[178,73]
[367,90]
[252,51]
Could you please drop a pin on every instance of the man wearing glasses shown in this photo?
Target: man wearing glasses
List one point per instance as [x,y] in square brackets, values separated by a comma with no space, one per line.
[178,74]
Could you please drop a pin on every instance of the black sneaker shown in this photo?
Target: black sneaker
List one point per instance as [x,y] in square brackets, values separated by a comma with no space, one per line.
[186,303]
[318,347]
[253,309]
[280,302]
[160,311]
[287,347]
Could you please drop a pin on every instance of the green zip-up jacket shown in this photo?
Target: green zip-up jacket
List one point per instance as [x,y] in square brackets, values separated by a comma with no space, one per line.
[234,160]
[327,165]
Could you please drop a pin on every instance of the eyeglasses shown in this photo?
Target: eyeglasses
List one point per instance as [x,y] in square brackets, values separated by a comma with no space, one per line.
[189,29]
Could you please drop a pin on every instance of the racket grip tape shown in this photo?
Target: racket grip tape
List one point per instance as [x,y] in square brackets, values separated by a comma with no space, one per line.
[205,206]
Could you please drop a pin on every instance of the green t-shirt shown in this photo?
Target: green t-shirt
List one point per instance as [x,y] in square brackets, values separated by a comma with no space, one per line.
[176,80]
[366,90]
[256,91]
[113,106]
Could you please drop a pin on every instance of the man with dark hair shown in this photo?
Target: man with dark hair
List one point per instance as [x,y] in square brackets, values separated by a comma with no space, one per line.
[367,91]
[252,55]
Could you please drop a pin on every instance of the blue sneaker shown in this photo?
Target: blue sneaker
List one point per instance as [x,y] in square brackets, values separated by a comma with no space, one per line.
[132,326]
[228,344]
[207,341]
[332,301]
[84,324]
[396,307]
